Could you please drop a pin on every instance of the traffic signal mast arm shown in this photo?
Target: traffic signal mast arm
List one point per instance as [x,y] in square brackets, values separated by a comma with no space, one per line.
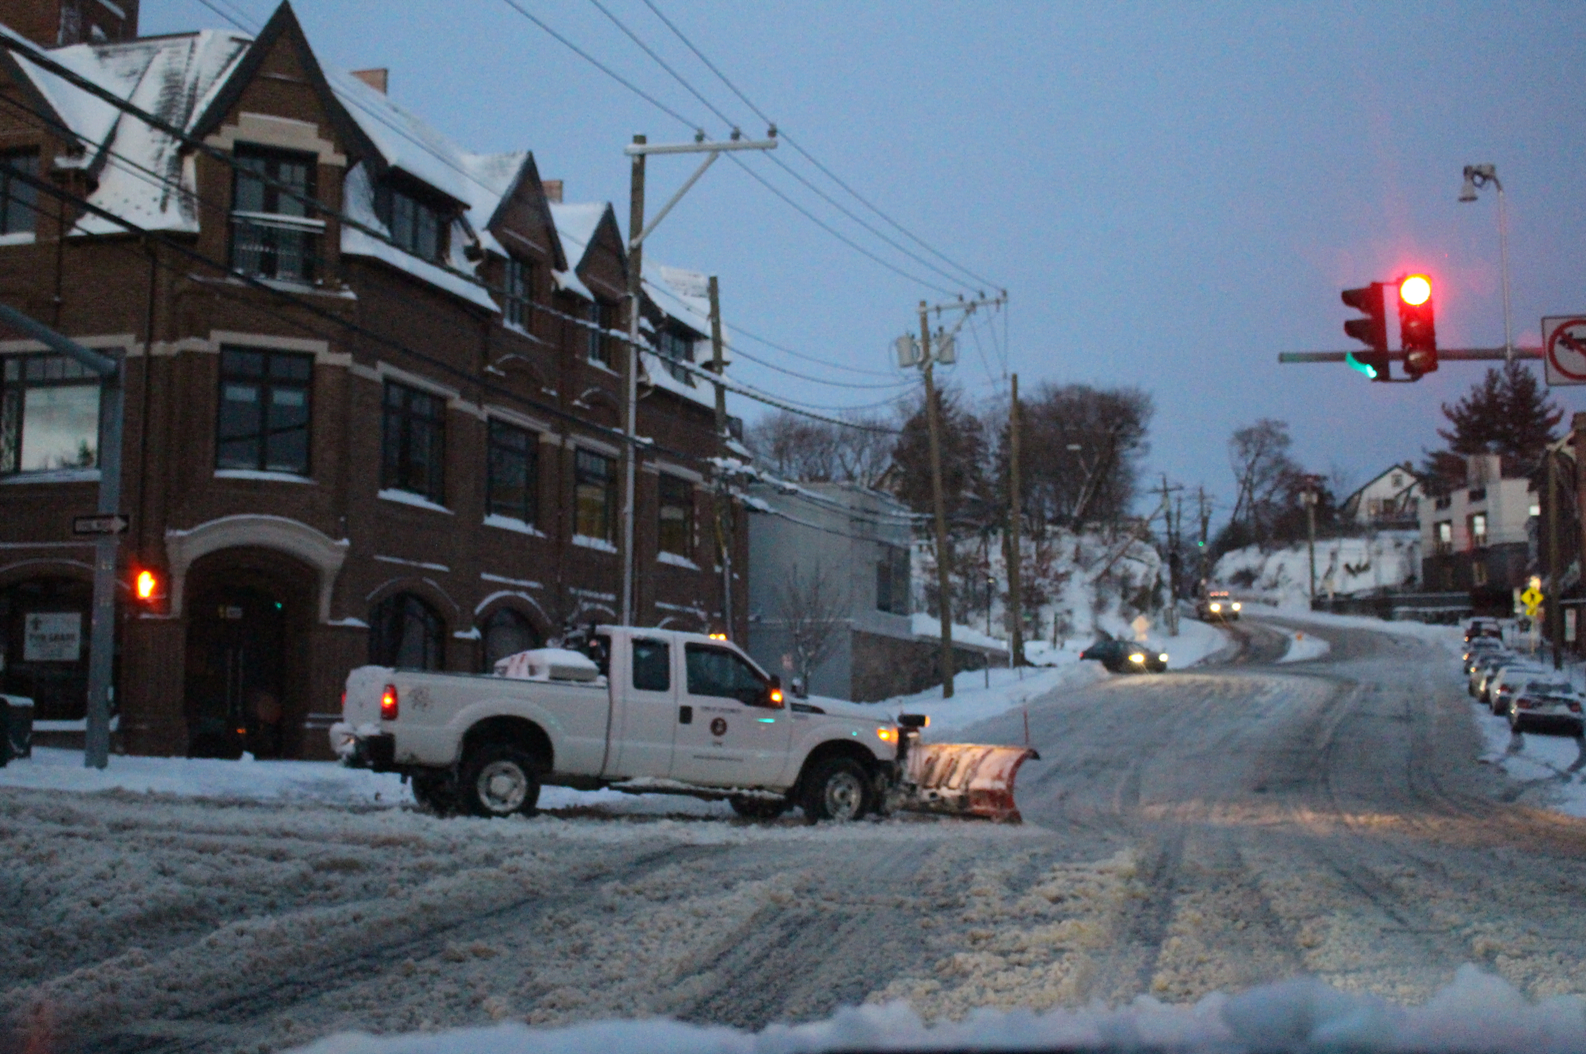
[1454,354]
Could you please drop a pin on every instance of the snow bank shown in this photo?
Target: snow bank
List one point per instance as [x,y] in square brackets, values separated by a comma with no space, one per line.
[1553,765]
[1344,567]
[1304,647]
[1478,1011]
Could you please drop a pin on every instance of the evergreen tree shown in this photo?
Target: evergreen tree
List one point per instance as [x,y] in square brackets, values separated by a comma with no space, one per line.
[1507,413]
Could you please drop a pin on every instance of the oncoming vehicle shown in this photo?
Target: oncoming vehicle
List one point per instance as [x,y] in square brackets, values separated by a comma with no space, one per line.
[1546,703]
[655,711]
[1120,657]
[1217,604]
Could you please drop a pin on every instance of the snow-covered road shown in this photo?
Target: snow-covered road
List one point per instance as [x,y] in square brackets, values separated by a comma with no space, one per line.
[1184,833]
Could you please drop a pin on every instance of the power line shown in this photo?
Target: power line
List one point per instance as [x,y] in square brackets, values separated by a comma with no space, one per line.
[805,153]
[659,61]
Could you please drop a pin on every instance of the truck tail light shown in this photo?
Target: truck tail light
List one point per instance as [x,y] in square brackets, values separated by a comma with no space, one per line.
[388,703]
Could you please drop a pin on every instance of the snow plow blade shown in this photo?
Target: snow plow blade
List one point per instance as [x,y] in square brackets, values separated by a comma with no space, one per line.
[966,779]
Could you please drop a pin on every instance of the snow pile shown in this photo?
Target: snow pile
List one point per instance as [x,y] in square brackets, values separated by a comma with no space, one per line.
[1478,1011]
[1552,768]
[1344,567]
[1304,647]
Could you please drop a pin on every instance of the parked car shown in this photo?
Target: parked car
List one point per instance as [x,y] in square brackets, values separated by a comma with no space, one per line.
[1217,604]
[1549,703]
[1126,657]
[1484,665]
[1502,685]
[1479,647]
[1483,627]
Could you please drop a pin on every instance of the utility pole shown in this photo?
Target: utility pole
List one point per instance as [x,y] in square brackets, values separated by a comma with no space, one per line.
[1205,510]
[630,402]
[1172,586]
[723,507]
[1309,498]
[1555,610]
[638,231]
[943,587]
[1015,558]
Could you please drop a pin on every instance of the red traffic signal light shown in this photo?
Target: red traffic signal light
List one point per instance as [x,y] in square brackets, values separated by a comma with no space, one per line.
[1417,327]
[1371,331]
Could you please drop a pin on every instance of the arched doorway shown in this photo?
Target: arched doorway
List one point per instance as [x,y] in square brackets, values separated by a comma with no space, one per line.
[404,631]
[248,614]
[505,632]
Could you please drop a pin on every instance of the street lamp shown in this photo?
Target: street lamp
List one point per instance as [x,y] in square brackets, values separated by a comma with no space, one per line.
[1477,176]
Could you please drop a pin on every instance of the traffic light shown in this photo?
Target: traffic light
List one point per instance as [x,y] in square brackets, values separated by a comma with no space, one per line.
[1371,330]
[1417,332]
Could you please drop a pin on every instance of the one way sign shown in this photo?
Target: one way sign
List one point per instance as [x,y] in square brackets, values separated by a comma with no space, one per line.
[112,523]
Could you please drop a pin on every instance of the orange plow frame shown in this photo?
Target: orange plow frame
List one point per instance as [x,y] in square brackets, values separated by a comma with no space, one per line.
[966,779]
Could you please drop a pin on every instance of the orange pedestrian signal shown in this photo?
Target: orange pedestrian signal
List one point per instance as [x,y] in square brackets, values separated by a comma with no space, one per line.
[146,586]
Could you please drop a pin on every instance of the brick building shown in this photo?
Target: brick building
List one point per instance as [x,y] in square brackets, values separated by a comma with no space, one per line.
[387,429]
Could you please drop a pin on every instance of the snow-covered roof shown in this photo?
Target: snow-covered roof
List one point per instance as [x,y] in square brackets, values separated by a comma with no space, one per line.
[576,223]
[170,77]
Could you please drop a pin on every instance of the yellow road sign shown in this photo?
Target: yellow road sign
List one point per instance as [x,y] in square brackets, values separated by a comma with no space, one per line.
[1531,598]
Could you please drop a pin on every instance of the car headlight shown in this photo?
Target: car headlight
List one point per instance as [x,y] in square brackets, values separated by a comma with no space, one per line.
[1216,608]
[1163,656]
[1236,605]
[1137,657]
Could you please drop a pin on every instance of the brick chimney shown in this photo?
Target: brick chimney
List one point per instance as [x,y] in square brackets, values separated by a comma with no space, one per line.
[56,23]
[553,190]
[376,79]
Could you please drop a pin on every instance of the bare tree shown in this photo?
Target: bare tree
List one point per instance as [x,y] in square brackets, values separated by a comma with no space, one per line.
[813,607]
[1259,456]
[809,451]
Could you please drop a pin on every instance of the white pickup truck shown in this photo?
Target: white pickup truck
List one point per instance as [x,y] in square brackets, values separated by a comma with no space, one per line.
[646,710]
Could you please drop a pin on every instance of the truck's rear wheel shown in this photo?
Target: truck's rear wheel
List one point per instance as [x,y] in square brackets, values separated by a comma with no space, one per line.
[758,808]
[498,779]
[836,789]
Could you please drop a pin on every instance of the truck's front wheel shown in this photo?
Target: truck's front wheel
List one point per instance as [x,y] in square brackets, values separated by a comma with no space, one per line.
[836,789]
[498,779]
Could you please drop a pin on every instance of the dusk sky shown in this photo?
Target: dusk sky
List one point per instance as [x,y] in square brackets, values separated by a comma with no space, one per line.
[1171,193]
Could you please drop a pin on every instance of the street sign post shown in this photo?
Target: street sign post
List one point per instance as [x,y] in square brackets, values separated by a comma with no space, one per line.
[1564,349]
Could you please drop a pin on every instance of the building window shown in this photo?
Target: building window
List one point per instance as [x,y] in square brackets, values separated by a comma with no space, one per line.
[516,294]
[49,414]
[1478,574]
[264,410]
[677,349]
[677,515]
[1478,530]
[414,442]
[513,475]
[416,227]
[505,632]
[272,234]
[18,198]
[405,632]
[599,344]
[595,492]
[892,580]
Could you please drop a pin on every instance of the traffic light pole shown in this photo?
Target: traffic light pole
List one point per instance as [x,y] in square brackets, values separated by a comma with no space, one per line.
[102,639]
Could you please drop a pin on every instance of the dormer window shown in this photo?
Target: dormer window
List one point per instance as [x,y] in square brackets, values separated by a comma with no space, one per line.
[599,349]
[416,226]
[18,198]
[677,349]
[516,293]
[272,234]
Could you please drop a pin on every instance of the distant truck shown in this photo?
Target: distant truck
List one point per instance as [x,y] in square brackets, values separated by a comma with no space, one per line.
[1217,604]
[651,710]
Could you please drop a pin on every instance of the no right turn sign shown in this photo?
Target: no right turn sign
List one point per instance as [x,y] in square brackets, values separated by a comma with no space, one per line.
[1564,349]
